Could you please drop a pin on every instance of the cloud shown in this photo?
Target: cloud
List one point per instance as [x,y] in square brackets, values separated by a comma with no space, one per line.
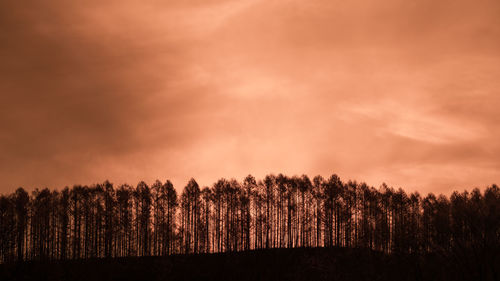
[416,122]
[132,90]
[76,89]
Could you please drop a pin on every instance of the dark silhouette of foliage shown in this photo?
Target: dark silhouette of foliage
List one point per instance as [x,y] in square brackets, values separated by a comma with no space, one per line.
[102,221]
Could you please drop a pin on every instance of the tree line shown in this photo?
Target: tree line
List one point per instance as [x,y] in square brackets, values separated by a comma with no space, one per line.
[276,212]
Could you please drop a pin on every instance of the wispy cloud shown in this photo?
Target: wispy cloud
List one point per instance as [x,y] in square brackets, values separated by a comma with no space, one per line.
[416,122]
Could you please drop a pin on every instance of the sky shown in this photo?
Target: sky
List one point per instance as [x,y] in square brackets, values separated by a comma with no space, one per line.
[396,91]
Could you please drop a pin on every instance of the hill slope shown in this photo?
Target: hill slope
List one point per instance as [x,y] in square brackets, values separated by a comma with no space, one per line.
[273,264]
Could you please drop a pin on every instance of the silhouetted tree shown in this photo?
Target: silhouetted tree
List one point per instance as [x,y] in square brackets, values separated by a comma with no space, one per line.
[191,216]
[64,222]
[278,211]
[21,200]
[249,193]
[124,213]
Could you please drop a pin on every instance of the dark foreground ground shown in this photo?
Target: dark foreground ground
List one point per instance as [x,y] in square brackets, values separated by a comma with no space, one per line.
[275,264]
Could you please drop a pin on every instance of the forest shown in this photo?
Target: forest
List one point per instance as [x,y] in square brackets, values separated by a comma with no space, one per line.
[104,221]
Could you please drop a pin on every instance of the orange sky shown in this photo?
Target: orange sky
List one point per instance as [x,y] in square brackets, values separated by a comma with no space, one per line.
[396,91]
